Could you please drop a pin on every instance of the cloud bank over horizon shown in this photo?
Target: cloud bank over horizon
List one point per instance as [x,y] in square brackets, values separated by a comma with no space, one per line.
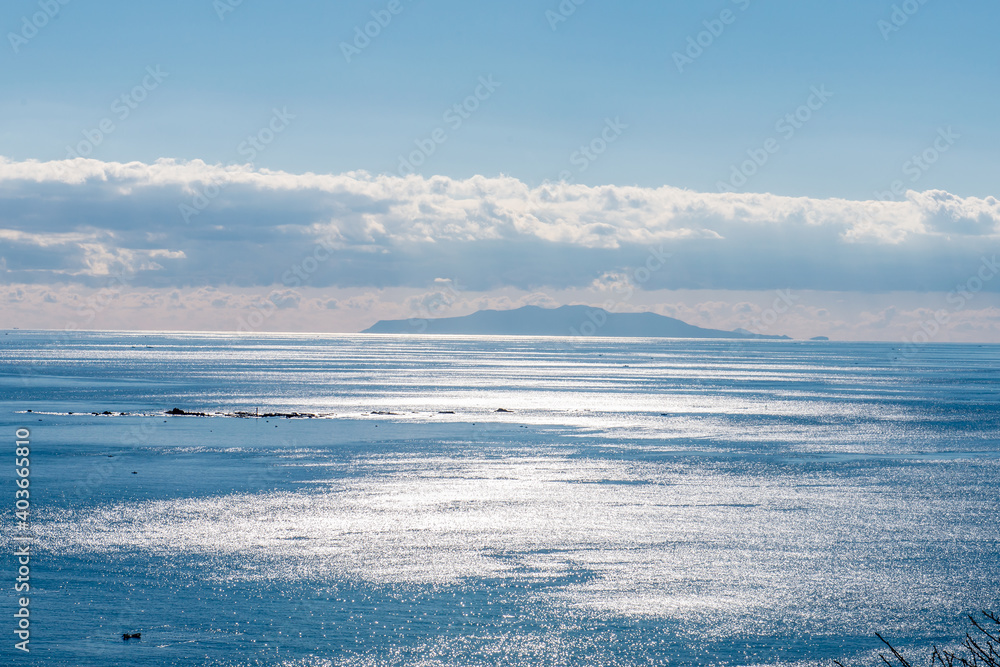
[193,224]
[187,225]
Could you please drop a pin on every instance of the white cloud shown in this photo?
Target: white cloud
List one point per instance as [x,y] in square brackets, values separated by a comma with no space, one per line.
[85,220]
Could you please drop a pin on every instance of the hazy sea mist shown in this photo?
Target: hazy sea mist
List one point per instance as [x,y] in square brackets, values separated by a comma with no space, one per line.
[643,501]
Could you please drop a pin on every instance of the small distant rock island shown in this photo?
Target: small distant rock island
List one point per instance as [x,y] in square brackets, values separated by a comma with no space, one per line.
[562,321]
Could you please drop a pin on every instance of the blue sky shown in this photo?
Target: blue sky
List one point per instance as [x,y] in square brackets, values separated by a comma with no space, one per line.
[606,60]
[874,85]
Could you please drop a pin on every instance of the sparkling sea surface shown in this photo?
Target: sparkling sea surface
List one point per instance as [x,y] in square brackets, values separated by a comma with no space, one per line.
[643,502]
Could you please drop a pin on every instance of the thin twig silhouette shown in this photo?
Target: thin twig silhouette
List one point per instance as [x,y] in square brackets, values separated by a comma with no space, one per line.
[979,650]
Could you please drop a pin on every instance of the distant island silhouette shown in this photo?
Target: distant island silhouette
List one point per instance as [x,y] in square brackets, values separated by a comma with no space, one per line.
[562,321]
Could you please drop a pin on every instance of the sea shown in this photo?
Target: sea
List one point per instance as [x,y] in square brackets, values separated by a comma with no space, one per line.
[379,500]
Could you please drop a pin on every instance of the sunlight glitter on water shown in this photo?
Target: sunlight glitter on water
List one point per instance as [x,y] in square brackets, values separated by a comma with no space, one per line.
[646,502]
[640,539]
